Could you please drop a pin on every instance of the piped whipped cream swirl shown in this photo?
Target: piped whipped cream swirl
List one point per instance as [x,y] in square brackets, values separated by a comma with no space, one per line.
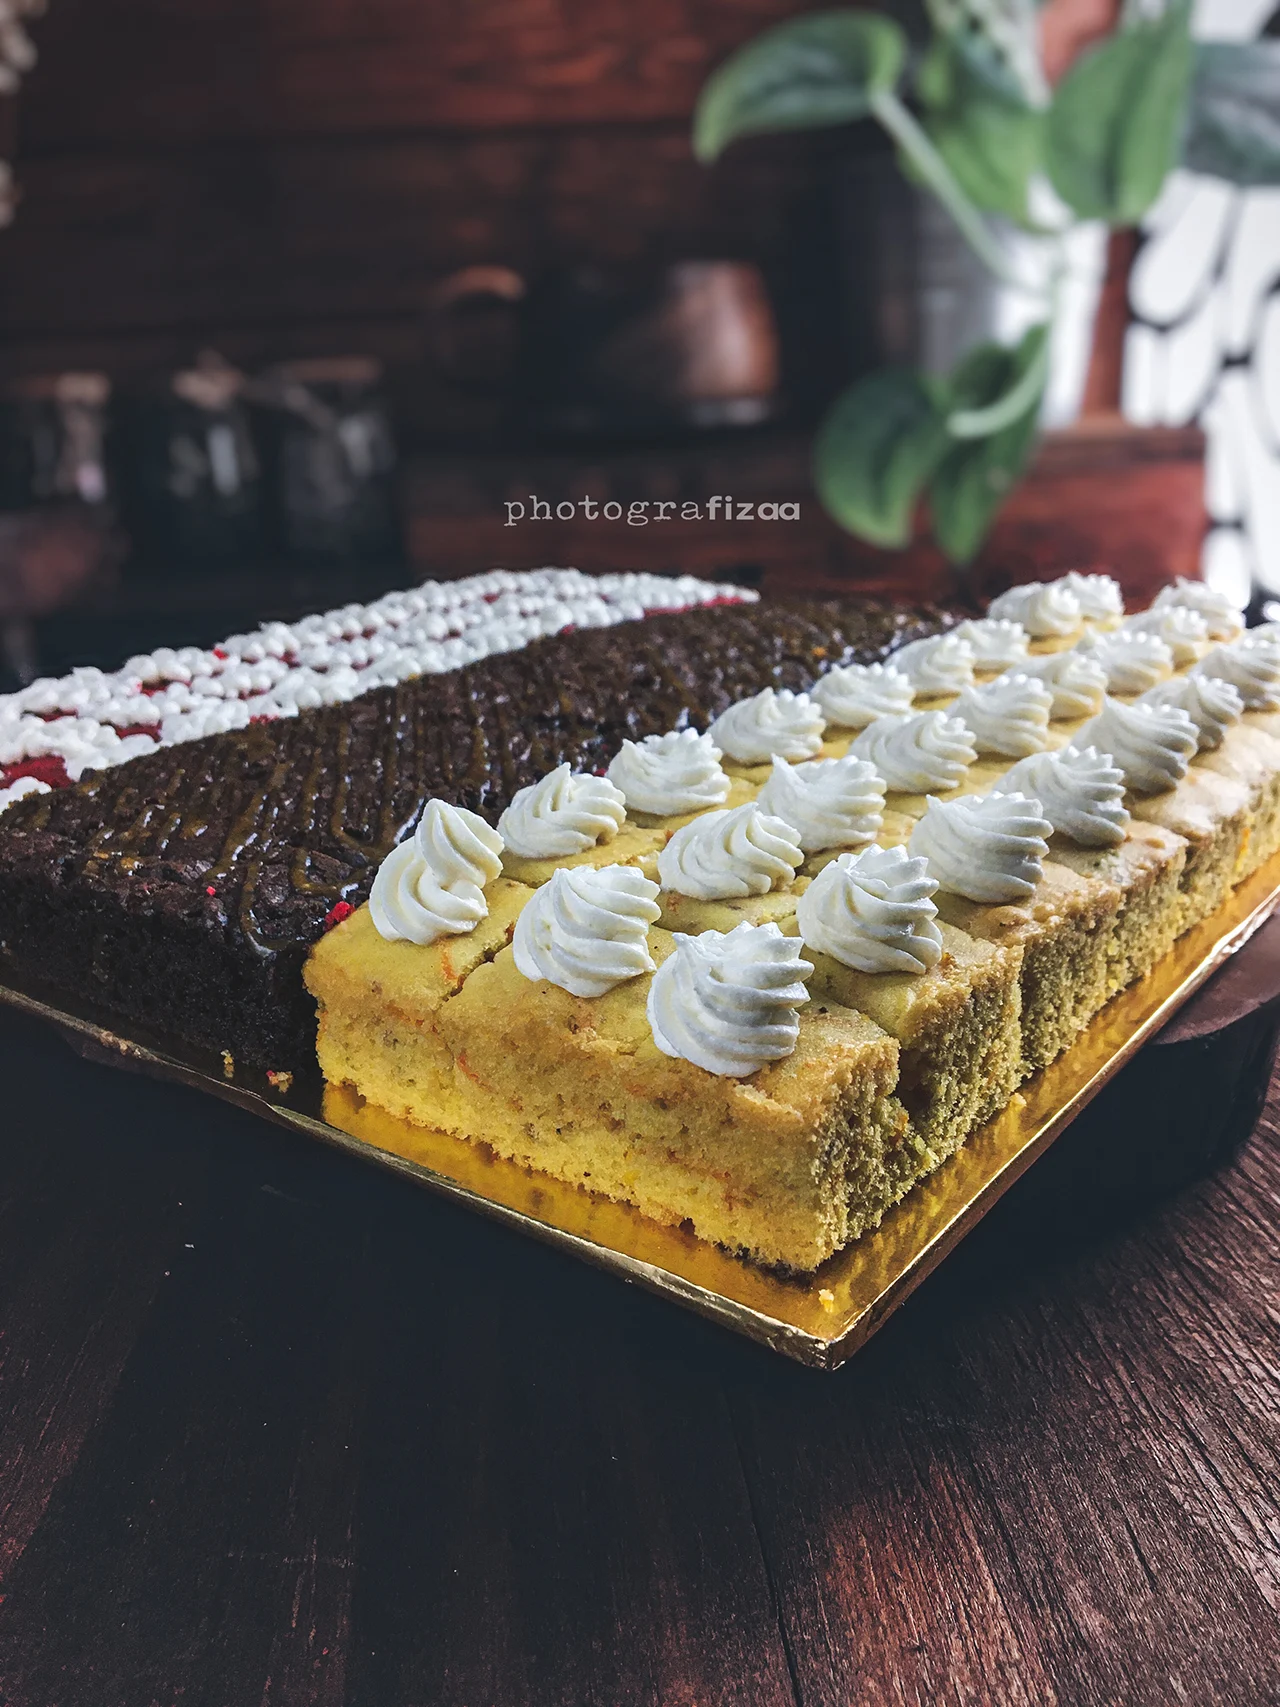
[1183,630]
[587,930]
[774,723]
[914,755]
[1100,597]
[1251,666]
[984,847]
[565,813]
[1008,716]
[830,803]
[1048,610]
[1212,704]
[666,774]
[873,911]
[941,663]
[1152,744]
[853,695]
[1077,682]
[996,645]
[1133,662]
[729,1001]
[724,855]
[1081,793]
[1224,620]
[433,884]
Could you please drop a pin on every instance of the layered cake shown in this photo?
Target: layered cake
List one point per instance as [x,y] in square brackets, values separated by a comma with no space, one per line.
[747,915]
[934,869]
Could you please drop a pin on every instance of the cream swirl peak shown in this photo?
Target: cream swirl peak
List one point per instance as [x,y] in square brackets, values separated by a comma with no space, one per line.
[940,663]
[774,723]
[1077,682]
[1252,666]
[433,884]
[1133,662]
[1100,597]
[729,1001]
[853,695]
[1048,610]
[984,847]
[564,813]
[1081,793]
[996,644]
[915,755]
[1224,620]
[830,803]
[1152,744]
[873,911]
[725,855]
[1008,716]
[1212,704]
[1183,630]
[667,774]
[587,930]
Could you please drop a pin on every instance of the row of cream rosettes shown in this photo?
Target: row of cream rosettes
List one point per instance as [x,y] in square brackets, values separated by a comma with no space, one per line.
[725,1000]
[728,1002]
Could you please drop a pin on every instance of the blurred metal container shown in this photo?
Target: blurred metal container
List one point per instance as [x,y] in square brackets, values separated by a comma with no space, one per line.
[56,520]
[53,431]
[330,459]
[190,475]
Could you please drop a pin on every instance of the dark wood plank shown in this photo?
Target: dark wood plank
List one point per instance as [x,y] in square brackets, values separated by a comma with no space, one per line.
[268,233]
[200,1545]
[365,1448]
[170,71]
[1053,1478]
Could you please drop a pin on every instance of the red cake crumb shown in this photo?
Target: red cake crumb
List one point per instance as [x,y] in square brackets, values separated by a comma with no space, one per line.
[339,911]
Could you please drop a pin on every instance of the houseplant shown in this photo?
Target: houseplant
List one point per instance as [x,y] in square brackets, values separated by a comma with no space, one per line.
[975,124]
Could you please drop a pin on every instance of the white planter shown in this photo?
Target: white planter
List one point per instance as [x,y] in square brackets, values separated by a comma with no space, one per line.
[959,303]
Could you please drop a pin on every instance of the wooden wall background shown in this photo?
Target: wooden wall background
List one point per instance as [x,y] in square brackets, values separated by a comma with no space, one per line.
[293,177]
[289,176]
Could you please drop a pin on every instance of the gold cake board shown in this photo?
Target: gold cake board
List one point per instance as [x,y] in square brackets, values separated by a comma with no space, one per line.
[820,1319]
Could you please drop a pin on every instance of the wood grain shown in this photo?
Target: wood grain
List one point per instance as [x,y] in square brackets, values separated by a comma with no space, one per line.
[282,1430]
[171,71]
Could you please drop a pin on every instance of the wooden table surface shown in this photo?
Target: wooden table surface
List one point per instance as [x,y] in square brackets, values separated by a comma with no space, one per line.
[275,1429]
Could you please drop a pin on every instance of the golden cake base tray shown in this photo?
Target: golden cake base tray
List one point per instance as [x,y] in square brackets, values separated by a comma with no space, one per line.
[820,1319]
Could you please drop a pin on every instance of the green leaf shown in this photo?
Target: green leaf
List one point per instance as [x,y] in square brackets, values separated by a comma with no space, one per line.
[821,69]
[1117,117]
[977,474]
[1233,118]
[876,449]
[989,137]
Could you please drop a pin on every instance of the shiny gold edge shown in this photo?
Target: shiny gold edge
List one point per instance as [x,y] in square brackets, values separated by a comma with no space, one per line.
[819,1319]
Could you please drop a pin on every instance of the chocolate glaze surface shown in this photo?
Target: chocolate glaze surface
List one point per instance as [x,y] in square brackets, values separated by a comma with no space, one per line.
[183,889]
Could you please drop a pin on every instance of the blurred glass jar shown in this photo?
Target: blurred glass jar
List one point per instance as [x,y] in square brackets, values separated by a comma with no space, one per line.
[190,475]
[53,433]
[330,457]
[57,534]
